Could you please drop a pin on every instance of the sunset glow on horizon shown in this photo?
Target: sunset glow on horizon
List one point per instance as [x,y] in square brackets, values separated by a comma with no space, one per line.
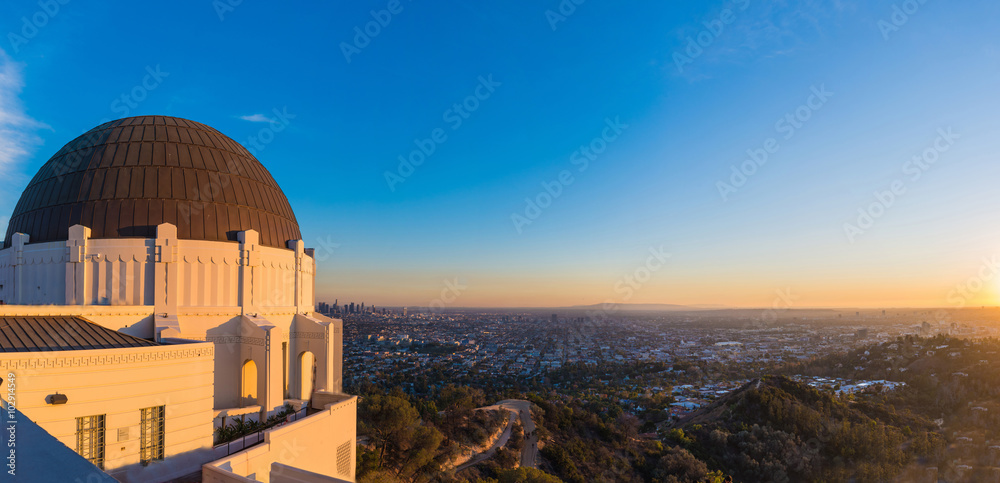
[853,165]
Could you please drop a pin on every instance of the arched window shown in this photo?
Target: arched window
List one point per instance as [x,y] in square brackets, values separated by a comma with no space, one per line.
[248,387]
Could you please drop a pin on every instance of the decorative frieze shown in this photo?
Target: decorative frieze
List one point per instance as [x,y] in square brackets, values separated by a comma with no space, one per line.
[60,359]
[230,339]
[309,335]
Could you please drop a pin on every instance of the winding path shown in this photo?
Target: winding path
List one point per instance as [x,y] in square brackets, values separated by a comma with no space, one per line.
[502,440]
[529,454]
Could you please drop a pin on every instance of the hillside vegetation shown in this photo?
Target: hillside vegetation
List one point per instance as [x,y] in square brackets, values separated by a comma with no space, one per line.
[776,429]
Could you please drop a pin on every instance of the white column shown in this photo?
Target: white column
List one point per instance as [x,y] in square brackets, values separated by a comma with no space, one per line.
[76,267]
[299,293]
[274,392]
[310,279]
[335,356]
[166,281]
[18,241]
[311,300]
[249,269]
[166,285]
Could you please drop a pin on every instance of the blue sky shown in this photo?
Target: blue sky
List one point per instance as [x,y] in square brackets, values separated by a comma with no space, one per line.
[557,80]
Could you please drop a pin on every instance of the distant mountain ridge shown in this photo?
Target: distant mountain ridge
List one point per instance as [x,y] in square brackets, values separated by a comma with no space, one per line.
[646,307]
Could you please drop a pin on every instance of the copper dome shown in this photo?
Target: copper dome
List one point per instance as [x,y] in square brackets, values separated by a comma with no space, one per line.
[123,178]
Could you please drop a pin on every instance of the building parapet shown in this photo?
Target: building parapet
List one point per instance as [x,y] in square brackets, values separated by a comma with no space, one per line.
[305,445]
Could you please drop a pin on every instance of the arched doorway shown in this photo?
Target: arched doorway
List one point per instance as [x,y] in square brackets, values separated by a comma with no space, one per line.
[248,386]
[307,375]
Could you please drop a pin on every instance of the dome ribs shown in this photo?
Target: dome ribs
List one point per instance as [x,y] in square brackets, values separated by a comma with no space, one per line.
[124,177]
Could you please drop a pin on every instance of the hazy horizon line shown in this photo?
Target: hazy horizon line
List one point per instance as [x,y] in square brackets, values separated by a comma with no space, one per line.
[679,307]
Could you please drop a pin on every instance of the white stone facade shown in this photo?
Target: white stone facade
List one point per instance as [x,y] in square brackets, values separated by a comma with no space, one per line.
[119,383]
[165,272]
[254,303]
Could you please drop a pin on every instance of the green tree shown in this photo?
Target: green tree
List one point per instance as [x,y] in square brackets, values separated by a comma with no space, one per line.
[419,454]
[527,475]
[390,422]
[460,398]
[367,461]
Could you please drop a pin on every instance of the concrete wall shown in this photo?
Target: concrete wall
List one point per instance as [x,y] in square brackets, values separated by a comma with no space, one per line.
[323,443]
[41,270]
[219,475]
[34,463]
[273,341]
[289,474]
[119,383]
[117,272]
[84,271]
[250,302]
[183,289]
[209,274]
[279,474]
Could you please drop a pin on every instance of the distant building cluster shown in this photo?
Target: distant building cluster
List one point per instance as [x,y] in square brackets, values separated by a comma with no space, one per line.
[349,309]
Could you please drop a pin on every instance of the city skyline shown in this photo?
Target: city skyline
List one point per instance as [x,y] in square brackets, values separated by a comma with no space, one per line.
[648,123]
[560,241]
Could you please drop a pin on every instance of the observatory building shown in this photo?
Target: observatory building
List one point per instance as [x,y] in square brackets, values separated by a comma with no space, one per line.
[154,287]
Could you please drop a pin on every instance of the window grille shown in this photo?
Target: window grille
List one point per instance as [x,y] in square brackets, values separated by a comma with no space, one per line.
[151,435]
[90,439]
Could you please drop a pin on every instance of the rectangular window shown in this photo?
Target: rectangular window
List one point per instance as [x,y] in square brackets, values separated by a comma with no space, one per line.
[90,439]
[284,366]
[151,435]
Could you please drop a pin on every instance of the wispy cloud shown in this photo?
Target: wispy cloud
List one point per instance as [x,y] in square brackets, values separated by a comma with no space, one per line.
[763,30]
[18,138]
[256,118]
[17,129]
